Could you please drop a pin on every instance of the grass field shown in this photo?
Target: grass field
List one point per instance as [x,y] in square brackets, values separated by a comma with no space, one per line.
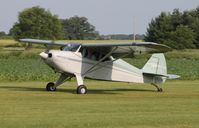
[7,42]
[107,105]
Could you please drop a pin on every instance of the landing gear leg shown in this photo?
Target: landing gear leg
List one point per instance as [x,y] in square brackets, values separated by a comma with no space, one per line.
[158,88]
[81,89]
[52,86]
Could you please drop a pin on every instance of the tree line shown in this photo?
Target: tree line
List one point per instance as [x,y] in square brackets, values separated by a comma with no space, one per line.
[36,22]
[123,36]
[178,30]
[3,35]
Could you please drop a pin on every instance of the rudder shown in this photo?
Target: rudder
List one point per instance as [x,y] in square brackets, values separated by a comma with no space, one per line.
[156,65]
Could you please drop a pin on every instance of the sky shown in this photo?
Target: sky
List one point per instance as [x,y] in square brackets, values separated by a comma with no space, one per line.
[108,16]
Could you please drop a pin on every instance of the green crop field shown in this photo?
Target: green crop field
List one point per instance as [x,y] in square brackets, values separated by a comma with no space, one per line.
[107,105]
[19,65]
[27,65]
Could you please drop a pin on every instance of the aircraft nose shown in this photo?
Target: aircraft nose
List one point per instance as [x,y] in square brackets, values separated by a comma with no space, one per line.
[43,55]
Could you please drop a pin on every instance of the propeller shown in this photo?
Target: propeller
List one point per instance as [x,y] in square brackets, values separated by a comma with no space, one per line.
[37,63]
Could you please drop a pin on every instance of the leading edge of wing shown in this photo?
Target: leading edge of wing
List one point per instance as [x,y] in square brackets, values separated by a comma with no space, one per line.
[45,42]
[161,47]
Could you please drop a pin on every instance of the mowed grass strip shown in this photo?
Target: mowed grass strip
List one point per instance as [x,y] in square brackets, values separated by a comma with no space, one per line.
[107,105]
[7,42]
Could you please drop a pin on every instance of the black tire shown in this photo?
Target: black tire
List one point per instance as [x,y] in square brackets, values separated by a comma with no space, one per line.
[81,89]
[50,87]
[160,90]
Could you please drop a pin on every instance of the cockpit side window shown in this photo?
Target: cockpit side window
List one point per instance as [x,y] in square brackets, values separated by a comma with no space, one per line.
[84,52]
[93,55]
[71,47]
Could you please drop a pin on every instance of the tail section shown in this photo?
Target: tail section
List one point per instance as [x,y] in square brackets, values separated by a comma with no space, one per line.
[156,65]
[155,70]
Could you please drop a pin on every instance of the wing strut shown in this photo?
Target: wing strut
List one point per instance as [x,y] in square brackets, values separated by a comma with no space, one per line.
[107,55]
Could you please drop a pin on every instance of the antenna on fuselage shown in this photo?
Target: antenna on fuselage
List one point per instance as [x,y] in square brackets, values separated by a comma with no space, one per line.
[134,29]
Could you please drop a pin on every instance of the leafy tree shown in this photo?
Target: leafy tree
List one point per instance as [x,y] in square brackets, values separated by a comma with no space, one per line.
[177,29]
[182,38]
[176,19]
[78,28]
[194,24]
[159,28]
[37,23]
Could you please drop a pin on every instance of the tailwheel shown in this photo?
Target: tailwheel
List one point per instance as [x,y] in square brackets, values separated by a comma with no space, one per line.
[50,87]
[81,89]
[160,90]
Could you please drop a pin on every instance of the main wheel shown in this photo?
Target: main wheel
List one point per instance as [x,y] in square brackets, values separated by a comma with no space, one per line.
[81,89]
[50,87]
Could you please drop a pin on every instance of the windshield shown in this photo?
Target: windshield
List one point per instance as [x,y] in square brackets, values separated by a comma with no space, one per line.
[71,47]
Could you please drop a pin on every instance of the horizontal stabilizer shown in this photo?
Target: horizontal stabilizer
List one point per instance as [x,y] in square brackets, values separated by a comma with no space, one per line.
[172,76]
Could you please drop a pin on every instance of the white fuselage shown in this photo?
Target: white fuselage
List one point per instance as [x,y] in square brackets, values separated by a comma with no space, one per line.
[73,63]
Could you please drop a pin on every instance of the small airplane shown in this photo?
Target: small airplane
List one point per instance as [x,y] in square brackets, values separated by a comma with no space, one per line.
[102,61]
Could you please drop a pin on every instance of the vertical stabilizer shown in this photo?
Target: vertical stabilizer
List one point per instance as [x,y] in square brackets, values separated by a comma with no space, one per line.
[156,65]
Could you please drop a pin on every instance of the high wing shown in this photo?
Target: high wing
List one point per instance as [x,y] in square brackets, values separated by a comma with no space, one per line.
[44,42]
[118,50]
[127,48]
